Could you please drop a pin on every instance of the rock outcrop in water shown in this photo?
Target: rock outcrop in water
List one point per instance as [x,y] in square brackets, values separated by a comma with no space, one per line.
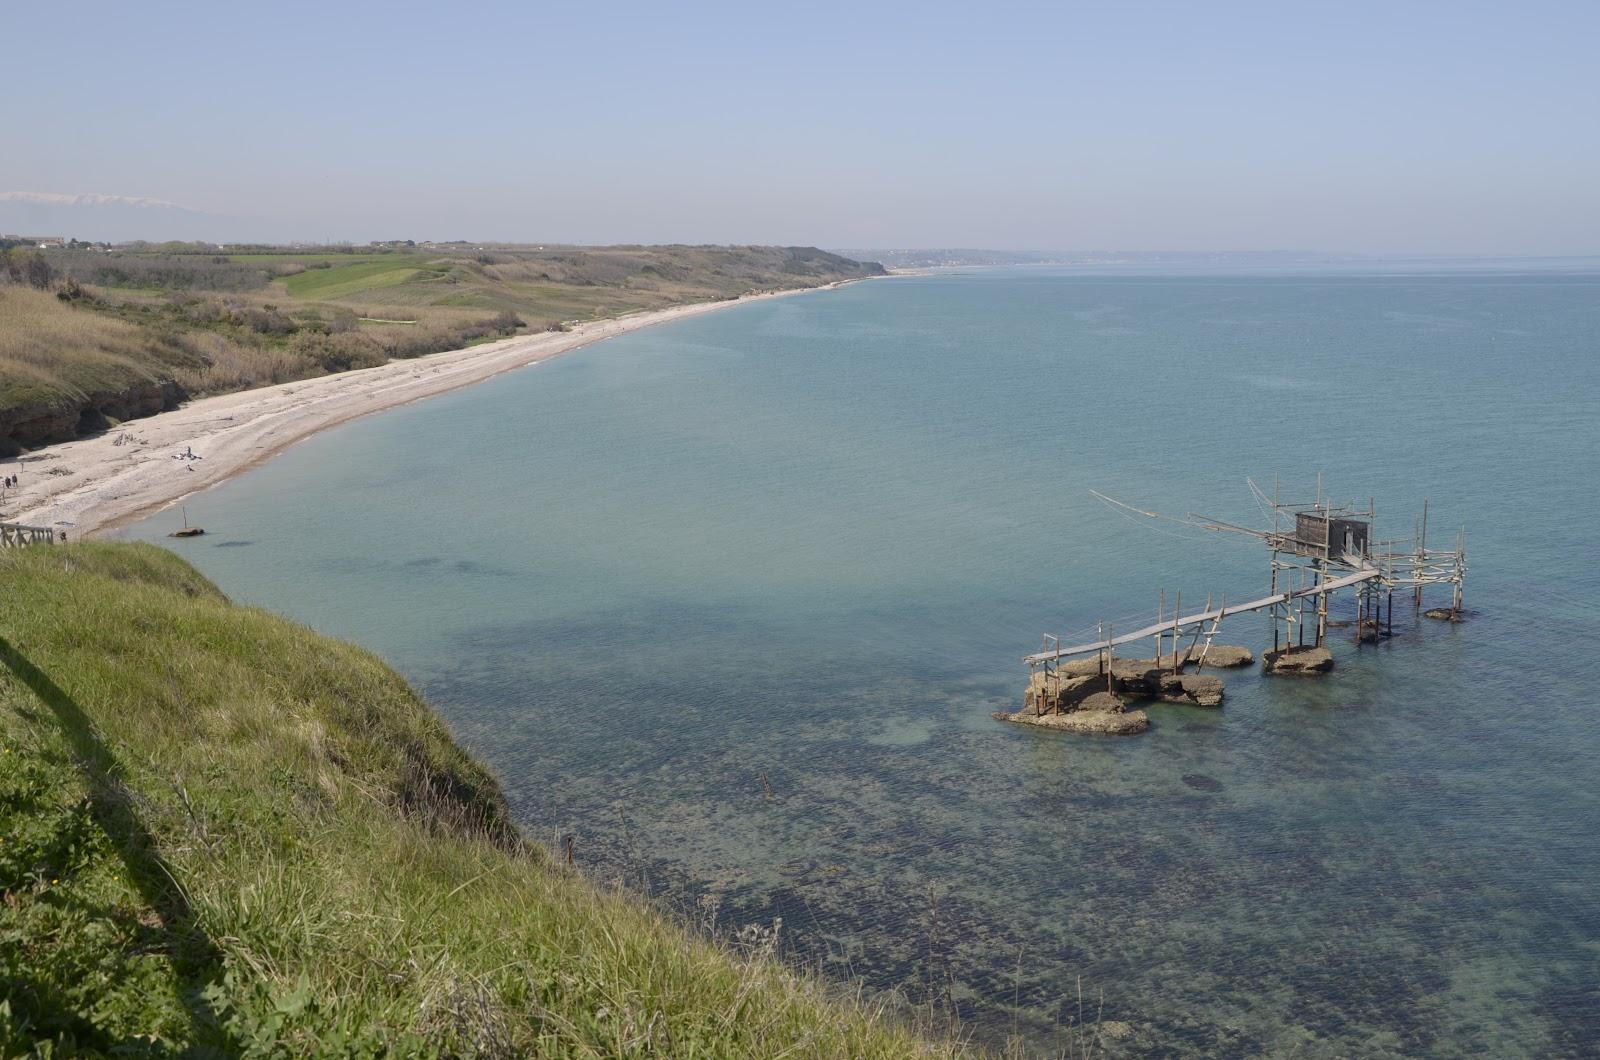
[1298,662]
[1079,698]
[1219,657]
[1146,679]
[1222,656]
[1097,712]
[1196,690]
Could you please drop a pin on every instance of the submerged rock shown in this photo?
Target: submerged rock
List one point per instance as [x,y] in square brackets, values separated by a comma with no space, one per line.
[1443,614]
[1201,782]
[1095,721]
[1298,662]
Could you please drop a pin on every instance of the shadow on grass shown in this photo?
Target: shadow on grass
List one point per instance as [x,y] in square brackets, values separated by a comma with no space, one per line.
[195,959]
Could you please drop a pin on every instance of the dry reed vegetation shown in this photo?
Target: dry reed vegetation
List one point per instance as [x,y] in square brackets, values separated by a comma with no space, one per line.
[226,833]
[39,332]
[55,361]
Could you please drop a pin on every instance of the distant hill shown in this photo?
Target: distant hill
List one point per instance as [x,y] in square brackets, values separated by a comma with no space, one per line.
[112,218]
[935,257]
[96,334]
[949,257]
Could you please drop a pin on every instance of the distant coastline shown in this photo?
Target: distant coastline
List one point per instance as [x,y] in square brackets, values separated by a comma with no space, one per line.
[92,485]
[928,260]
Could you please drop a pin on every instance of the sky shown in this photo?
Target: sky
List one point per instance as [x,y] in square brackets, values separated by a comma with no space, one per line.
[1400,127]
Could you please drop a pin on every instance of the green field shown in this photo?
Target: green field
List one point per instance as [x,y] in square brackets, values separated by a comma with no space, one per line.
[291,258]
[343,281]
[221,833]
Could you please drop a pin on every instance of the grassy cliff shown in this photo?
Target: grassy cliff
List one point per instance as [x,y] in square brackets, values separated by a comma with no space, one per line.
[93,335]
[223,833]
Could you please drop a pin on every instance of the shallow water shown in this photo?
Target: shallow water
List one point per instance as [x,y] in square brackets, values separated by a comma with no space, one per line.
[732,600]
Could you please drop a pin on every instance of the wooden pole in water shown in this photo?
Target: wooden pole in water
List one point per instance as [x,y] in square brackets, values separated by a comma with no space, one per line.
[1111,657]
[1322,571]
[1274,592]
[1422,555]
[1216,627]
[1298,608]
[1277,512]
[1305,602]
[1160,614]
[1199,628]
[1177,609]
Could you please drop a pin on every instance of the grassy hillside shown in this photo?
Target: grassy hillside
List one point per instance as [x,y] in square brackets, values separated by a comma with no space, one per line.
[222,833]
[179,320]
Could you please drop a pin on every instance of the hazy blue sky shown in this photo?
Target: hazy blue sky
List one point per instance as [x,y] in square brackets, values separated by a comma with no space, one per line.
[1458,127]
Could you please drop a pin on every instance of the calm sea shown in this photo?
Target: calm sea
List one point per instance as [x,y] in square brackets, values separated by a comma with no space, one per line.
[731,601]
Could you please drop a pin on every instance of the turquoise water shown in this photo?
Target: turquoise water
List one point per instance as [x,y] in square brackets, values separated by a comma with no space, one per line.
[800,545]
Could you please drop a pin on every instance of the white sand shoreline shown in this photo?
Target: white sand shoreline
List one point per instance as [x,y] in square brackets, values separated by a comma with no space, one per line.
[91,485]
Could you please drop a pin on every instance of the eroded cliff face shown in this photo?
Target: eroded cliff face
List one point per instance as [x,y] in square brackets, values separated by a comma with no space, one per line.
[52,419]
[142,399]
[58,415]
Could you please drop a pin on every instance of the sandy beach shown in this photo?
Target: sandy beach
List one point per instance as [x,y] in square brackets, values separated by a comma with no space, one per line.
[90,485]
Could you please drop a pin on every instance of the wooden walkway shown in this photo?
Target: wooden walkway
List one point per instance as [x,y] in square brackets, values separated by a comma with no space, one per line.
[1179,624]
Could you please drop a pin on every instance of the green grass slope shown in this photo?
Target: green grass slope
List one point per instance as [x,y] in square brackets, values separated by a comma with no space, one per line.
[345,280]
[223,834]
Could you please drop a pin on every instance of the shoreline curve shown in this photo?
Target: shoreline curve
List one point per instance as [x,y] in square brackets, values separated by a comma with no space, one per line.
[92,485]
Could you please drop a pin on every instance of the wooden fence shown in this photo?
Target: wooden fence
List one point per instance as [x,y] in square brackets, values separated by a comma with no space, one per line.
[15,535]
